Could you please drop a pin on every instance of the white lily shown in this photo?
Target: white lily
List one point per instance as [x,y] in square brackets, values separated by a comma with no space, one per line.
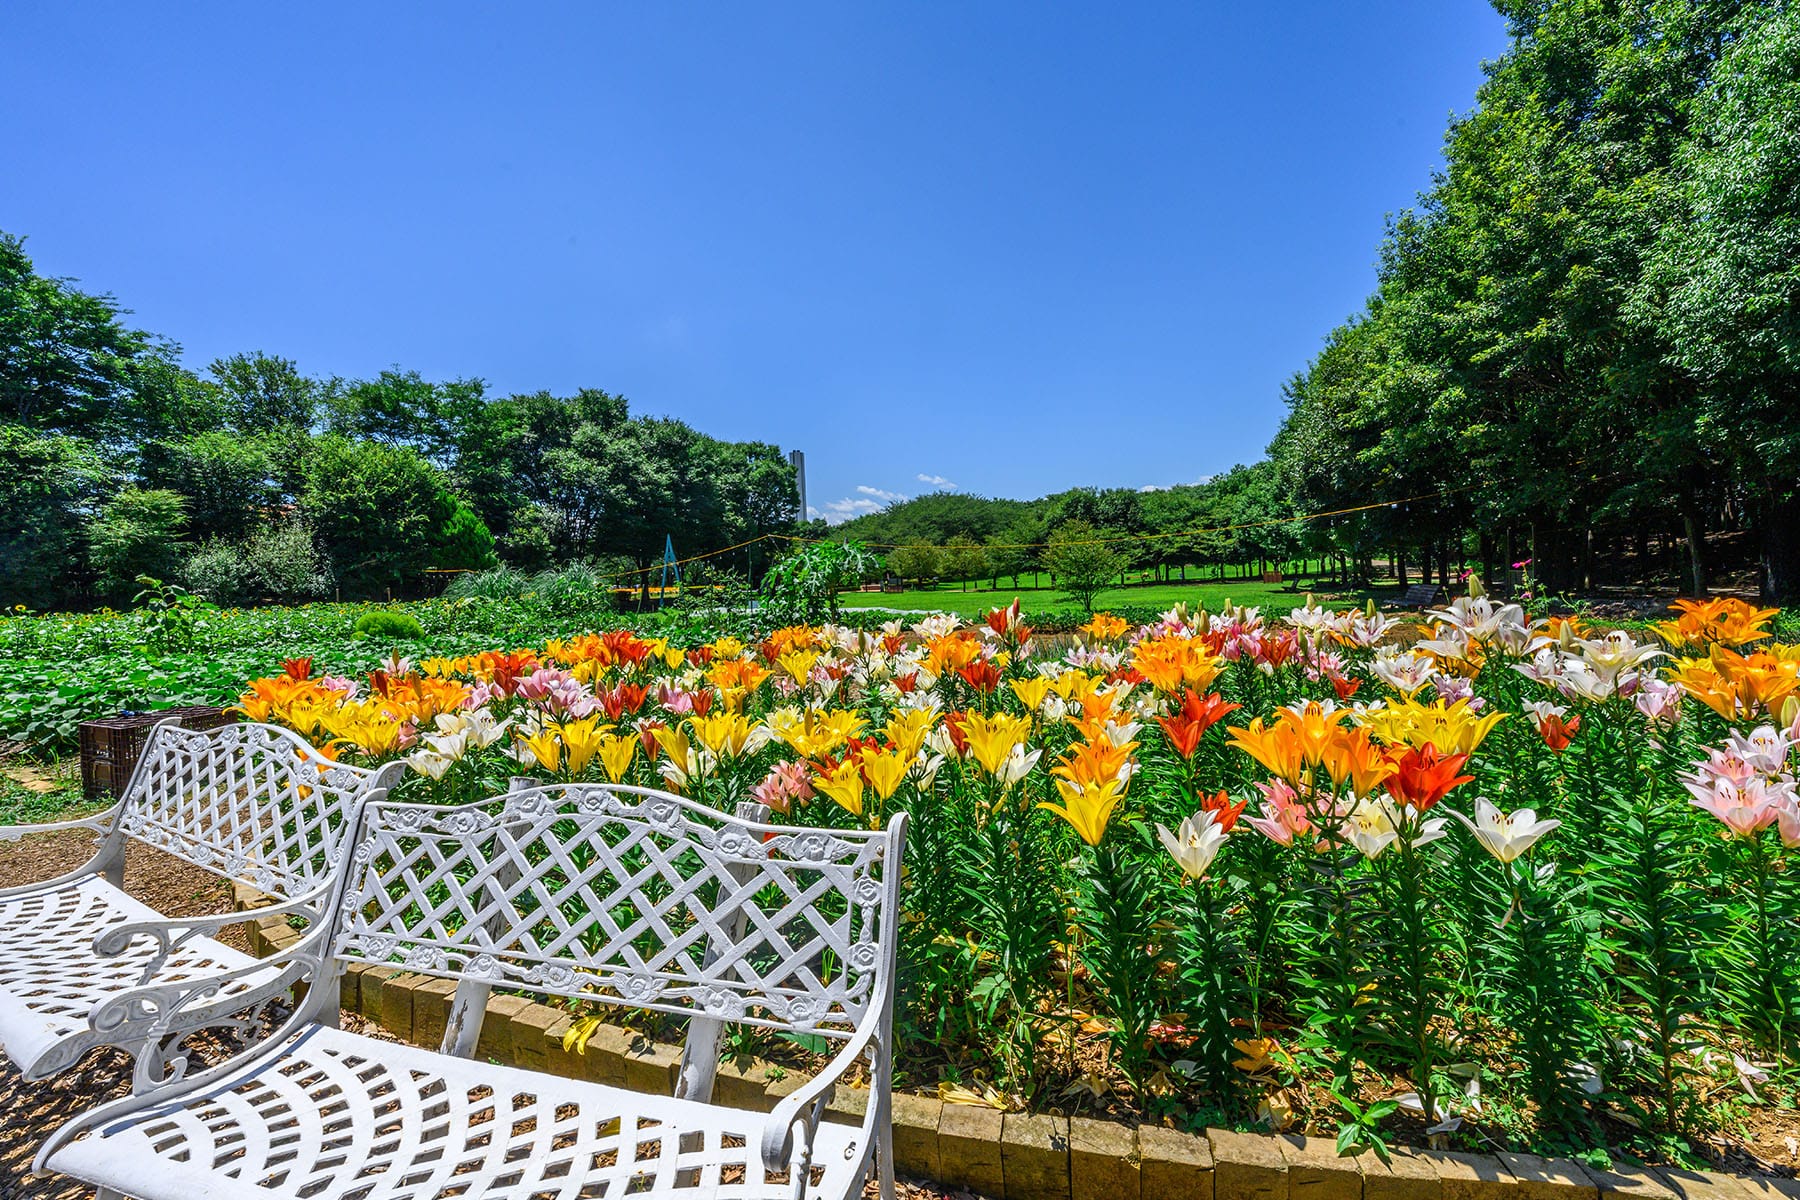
[1195,844]
[1405,672]
[1017,766]
[1372,825]
[430,763]
[1506,837]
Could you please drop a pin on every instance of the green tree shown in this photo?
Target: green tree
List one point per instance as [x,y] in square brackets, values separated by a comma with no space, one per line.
[917,560]
[383,515]
[1006,558]
[66,357]
[137,533]
[261,392]
[47,484]
[403,408]
[964,559]
[1723,285]
[227,480]
[1083,563]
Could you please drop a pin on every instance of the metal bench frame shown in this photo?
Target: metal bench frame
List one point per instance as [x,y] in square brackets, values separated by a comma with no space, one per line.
[603,893]
[251,803]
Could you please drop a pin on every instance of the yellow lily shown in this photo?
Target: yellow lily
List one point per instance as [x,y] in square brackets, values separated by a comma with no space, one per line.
[845,785]
[726,734]
[674,743]
[580,740]
[617,754]
[1449,728]
[798,664]
[908,728]
[544,747]
[814,733]
[992,739]
[886,770]
[1031,692]
[1087,809]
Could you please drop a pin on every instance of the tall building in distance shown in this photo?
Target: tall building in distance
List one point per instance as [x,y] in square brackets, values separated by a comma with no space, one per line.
[798,458]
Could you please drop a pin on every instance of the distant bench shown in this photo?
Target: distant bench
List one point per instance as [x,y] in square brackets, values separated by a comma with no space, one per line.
[1419,595]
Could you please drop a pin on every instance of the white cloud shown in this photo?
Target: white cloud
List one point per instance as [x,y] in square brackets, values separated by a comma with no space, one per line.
[836,512]
[888,497]
[937,481]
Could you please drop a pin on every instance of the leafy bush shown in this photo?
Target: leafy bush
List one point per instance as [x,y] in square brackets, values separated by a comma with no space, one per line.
[496,583]
[384,515]
[804,585]
[576,589]
[276,563]
[390,625]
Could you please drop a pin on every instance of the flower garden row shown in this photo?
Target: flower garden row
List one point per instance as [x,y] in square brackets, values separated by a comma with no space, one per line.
[1490,877]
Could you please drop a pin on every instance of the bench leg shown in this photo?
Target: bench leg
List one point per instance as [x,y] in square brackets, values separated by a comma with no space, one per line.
[107,1193]
[884,1147]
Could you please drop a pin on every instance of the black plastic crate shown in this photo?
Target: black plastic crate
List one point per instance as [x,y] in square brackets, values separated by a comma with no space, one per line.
[110,746]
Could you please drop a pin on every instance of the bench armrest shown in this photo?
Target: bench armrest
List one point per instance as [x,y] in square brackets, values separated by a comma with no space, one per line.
[172,933]
[805,1104]
[100,824]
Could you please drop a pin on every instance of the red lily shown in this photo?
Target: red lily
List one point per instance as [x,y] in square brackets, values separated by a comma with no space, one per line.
[954,723]
[1423,777]
[983,676]
[1219,802]
[297,668]
[1557,732]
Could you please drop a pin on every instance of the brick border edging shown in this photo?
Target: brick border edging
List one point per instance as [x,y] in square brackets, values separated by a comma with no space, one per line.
[1019,1156]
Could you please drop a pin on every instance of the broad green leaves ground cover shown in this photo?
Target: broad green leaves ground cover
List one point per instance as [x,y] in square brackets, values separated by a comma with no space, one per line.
[61,669]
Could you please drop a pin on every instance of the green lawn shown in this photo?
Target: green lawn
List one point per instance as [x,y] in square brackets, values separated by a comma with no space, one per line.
[1274,597]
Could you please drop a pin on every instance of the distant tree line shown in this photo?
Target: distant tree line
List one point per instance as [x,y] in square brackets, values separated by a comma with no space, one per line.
[1239,520]
[255,481]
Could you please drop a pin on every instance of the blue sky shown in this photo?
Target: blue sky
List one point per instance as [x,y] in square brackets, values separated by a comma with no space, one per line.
[1010,248]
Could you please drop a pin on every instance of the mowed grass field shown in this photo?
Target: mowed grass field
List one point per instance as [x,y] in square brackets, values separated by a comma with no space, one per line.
[1275,597]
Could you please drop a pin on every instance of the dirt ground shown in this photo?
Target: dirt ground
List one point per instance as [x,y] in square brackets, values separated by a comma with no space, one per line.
[30,1111]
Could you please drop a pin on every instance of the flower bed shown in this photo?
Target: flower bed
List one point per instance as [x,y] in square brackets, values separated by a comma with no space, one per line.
[1487,881]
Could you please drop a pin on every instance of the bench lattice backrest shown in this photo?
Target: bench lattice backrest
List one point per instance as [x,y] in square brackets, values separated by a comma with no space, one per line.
[626,896]
[250,802]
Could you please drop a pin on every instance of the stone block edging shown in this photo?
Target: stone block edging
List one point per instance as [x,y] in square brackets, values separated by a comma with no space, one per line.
[1020,1156]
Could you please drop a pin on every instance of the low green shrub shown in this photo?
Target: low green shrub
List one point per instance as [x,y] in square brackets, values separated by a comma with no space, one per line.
[390,625]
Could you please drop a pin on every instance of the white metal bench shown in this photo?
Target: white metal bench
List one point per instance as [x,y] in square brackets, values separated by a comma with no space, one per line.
[611,894]
[248,802]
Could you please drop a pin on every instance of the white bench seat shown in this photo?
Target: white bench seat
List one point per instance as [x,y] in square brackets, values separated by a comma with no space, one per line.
[52,979]
[342,1115]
